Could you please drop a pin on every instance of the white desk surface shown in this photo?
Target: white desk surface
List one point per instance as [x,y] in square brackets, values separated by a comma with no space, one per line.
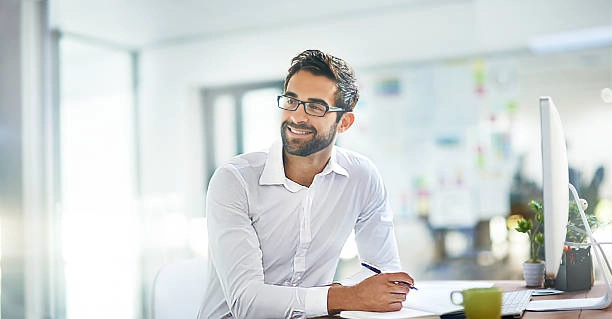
[597,290]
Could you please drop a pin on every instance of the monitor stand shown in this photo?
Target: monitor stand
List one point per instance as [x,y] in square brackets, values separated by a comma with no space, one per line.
[581,303]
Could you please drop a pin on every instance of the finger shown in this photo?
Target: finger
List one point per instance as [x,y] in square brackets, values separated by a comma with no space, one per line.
[399,288]
[395,306]
[397,298]
[399,294]
[401,276]
[409,280]
[402,283]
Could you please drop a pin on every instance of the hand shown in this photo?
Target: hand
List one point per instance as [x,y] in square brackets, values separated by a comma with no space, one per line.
[381,292]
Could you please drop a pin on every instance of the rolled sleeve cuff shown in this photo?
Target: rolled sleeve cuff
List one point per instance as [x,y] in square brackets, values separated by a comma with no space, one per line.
[316,301]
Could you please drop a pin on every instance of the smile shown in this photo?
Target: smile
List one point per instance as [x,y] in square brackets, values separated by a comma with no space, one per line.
[298,131]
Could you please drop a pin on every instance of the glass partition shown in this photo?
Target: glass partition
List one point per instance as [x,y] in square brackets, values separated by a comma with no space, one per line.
[99,216]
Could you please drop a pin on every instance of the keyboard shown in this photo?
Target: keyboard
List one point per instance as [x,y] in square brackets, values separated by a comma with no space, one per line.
[514,303]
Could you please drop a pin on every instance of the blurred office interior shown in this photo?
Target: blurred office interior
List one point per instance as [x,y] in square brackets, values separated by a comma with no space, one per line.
[113,115]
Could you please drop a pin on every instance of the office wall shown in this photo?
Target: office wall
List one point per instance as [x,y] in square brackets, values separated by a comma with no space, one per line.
[456,130]
[171,75]
[574,80]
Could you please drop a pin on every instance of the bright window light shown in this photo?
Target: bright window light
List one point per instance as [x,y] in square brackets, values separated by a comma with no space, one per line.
[261,119]
[100,225]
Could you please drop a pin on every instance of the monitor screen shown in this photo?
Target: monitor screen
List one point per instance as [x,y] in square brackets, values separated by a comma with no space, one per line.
[555,192]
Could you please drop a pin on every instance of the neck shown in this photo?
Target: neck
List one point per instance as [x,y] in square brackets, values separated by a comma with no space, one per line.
[302,169]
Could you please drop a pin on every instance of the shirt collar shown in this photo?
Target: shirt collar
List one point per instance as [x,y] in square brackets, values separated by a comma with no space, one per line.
[333,165]
[274,172]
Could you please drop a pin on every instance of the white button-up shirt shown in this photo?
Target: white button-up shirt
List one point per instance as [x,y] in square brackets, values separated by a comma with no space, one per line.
[274,245]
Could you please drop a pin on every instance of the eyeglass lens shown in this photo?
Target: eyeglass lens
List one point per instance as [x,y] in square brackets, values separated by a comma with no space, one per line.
[311,108]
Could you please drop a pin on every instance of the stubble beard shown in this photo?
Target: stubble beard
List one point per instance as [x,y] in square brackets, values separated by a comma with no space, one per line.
[305,148]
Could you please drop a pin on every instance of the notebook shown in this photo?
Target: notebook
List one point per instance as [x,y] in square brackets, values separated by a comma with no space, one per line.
[432,300]
[404,313]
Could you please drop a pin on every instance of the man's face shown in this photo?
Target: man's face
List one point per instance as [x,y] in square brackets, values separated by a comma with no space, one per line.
[304,134]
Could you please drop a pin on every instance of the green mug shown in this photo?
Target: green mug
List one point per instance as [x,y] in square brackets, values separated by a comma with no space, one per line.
[480,303]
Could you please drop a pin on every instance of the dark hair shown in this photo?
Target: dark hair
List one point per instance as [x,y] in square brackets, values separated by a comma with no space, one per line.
[337,70]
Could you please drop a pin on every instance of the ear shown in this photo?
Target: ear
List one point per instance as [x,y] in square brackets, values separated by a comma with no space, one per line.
[346,121]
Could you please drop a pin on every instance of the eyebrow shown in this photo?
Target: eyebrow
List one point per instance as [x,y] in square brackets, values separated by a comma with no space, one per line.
[291,94]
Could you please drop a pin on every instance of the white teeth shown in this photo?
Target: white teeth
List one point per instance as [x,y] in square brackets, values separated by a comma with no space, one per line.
[298,132]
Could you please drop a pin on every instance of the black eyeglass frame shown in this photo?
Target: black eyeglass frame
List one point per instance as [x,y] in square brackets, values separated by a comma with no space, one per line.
[300,102]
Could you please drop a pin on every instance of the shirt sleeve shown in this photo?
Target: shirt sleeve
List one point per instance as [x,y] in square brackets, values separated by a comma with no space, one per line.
[374,232]
[236,255]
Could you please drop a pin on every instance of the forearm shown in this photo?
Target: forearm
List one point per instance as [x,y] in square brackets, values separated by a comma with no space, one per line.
[248,296]
[259,300]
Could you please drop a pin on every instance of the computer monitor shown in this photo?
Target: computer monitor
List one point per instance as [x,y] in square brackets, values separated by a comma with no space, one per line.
[555,193]
[555,185]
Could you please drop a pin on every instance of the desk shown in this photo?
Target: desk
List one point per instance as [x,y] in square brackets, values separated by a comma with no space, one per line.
[596,291]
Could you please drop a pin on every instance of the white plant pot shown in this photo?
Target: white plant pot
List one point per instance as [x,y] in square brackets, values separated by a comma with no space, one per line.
[533,274]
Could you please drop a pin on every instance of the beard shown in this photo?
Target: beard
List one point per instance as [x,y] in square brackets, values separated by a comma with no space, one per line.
[299,147]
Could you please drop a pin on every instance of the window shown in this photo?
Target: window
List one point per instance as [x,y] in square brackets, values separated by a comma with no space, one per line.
[99,218]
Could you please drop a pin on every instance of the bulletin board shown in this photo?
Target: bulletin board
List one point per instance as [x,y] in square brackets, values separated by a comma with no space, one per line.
[439,134]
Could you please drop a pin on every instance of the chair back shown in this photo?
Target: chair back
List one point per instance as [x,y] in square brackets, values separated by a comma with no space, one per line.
[178,289]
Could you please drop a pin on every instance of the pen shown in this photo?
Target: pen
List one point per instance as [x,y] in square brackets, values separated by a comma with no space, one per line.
[376,270]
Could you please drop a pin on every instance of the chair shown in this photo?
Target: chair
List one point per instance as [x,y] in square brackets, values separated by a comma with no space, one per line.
[178,289]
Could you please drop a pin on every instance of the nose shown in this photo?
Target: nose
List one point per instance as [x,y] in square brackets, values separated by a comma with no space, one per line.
[299,115]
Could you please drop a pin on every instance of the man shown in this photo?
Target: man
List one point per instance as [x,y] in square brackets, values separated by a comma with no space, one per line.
[278,219]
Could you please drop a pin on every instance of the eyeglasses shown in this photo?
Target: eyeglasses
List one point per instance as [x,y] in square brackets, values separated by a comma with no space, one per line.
[311,108]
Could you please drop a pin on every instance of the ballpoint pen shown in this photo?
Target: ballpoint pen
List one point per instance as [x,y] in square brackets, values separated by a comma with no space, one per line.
[376,270]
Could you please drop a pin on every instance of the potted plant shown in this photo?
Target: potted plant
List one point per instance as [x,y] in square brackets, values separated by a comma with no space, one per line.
[533,268]
[576,270]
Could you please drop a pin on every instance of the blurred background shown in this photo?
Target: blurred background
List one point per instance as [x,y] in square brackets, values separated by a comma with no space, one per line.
[114,114]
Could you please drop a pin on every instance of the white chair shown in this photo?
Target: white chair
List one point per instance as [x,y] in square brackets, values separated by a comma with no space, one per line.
[178,289]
